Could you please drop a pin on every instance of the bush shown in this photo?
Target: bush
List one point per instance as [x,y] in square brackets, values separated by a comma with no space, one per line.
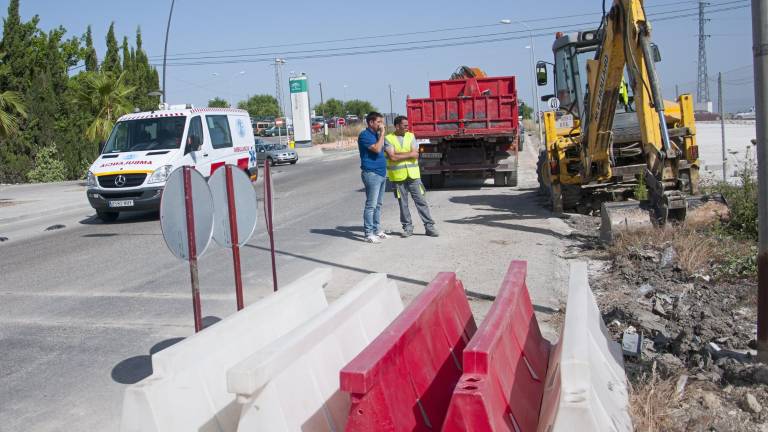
[48,166]
[742,201]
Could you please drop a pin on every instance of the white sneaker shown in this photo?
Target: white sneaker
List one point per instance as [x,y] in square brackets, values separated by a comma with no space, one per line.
[382,235]
[372,239]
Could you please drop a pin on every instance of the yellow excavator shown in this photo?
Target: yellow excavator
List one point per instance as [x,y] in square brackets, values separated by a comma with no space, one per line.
[612,144]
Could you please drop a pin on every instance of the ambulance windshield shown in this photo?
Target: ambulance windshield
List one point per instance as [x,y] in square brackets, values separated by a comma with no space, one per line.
[146,134]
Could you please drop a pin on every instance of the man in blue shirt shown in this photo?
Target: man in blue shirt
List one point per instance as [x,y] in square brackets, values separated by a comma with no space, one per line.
[373,165]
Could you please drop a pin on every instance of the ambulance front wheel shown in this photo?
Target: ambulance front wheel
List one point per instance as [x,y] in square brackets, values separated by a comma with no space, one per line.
[107,216]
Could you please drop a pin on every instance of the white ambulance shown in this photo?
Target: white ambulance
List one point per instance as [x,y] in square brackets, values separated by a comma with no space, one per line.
[144,148]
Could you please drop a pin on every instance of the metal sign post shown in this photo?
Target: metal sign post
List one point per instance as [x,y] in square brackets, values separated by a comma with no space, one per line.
[760,65]
[189,210]
[186,218]
[268,212]
[235,210]
[233,234]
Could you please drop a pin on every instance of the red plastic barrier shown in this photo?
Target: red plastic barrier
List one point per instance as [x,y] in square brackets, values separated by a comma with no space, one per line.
[403,380]
[505,366]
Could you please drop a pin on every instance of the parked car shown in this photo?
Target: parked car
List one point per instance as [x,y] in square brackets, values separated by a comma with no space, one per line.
[275,131]
[260,126]
[275,153]
[351,118]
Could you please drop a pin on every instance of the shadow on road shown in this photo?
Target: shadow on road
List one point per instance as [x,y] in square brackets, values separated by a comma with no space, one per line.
[338,265]
[502,210]
[135,369]
[125,218]
[347,232]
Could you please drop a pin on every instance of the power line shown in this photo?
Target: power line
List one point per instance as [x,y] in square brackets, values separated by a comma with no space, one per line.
[357,38]
[460,41]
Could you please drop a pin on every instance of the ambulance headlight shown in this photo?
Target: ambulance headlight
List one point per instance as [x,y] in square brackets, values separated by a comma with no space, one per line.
[160,175]
[90,181]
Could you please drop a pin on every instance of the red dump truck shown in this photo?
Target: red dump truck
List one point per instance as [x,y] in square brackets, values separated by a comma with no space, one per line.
[472,128]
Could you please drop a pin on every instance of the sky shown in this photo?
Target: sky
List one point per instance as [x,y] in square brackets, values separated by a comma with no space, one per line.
[202,32]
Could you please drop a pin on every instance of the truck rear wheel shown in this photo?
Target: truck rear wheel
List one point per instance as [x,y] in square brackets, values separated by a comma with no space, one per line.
[513,179]
[106,216]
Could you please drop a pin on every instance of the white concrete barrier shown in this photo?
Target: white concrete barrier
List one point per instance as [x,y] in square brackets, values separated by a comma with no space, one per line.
[292,384]
[586,387]
[187,390]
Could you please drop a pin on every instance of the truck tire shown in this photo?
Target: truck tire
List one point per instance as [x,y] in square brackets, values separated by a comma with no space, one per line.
[513,178]
[106,216]
[543,189]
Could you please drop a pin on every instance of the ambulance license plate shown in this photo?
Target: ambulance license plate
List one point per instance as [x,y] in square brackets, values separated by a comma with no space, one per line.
[121,203]
[432,155]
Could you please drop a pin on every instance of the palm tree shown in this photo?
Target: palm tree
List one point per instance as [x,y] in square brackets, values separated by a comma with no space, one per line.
[11,107]
[107,97]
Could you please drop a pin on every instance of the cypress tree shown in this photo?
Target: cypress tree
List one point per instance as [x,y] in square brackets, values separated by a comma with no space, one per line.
[91,60]
[112,57]
[126,55]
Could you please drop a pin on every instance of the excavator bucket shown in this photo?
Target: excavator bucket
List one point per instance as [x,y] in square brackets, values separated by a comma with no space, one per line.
[618,217]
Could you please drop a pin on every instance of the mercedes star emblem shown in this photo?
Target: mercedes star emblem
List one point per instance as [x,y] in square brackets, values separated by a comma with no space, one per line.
[120,181]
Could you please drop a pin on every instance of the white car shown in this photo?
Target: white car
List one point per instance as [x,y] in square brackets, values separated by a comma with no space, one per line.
[144,148]
[748,115]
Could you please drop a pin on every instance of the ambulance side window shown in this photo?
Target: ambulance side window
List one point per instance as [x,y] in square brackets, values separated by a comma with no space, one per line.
[218,129]
[194,135]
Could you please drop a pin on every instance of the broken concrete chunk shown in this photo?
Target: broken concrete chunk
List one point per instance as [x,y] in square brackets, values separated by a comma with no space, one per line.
[646,290]
[631,343]
[711,401]
[750,404]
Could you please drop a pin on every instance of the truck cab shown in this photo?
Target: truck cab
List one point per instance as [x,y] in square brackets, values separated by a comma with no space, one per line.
[144,148]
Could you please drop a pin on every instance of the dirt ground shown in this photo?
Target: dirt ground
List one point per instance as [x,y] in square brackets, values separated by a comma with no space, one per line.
[695,369]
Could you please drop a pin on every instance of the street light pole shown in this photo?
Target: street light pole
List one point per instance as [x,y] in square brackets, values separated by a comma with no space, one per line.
[165,50]
[760,62]
[391,110]
[534,88]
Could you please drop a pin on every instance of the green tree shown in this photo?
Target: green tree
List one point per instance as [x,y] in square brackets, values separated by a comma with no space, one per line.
[91,60]
[526,111]
[218,102]
[145,77]
[262,105]
[331,108]
[108,97]
[112,57]
[11,108]
[48,166]
[358,107]
[17,49]
[127,65]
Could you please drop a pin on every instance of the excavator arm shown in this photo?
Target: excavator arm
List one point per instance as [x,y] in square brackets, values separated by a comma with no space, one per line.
[626,43]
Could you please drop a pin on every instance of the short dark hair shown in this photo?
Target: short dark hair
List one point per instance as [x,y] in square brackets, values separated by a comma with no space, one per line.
[372,116]
[399,120]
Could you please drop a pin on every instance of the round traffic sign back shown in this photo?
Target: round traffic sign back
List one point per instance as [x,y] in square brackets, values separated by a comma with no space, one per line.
[246,206]
[173,214]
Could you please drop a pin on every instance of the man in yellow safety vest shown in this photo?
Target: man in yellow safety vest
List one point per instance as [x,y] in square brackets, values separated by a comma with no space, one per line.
[403,171]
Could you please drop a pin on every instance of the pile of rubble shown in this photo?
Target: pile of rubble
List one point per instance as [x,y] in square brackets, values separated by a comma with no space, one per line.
[693,332]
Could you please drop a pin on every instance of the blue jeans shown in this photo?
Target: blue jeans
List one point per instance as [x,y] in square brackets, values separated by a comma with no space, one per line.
[374,195]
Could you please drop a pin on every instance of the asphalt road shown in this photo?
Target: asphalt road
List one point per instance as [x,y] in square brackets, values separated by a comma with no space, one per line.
[82,308]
